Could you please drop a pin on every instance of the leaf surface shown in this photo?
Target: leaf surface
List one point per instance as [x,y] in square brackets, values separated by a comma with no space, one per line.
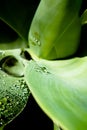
[55,29]
[14,95]
[60,88]
[14,92]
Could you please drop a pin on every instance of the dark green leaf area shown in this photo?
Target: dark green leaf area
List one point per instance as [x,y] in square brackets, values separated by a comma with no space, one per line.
[9,39]
[7,34]
[14,94]
[18,14]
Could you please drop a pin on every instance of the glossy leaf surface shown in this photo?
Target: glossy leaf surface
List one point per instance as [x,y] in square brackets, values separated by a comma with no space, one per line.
[55,29]
[14,92]
[60,88]
[14,95]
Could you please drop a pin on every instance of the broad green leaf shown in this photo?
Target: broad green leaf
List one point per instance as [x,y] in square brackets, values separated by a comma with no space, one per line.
[14,95]
[18,15]
[60,88]
[55,29]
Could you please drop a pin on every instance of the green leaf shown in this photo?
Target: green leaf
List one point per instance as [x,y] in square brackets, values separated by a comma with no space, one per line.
[18,15]
[14,95]
[55,29]
[17,43]
[60,88]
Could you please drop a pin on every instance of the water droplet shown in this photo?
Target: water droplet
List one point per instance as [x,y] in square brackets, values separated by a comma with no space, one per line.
[42,70]
[4,75]
[38,43]
[2,53]
[3,82]
[4,100]
[35,39]
[17,103]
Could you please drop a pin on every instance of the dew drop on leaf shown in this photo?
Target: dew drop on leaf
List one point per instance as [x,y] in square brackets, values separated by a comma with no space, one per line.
[42,70]
[35,39]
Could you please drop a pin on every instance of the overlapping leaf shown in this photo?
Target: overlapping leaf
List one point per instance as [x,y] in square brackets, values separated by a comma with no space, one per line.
[14,95]
[60,88]
[14,92]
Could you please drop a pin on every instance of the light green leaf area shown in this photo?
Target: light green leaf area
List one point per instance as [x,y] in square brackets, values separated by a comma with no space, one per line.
[60,88]
[14,95]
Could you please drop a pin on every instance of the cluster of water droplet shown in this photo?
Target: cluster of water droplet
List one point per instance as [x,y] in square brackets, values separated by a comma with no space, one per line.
[35,39]
[42,69]
[6,112]
[14,94]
